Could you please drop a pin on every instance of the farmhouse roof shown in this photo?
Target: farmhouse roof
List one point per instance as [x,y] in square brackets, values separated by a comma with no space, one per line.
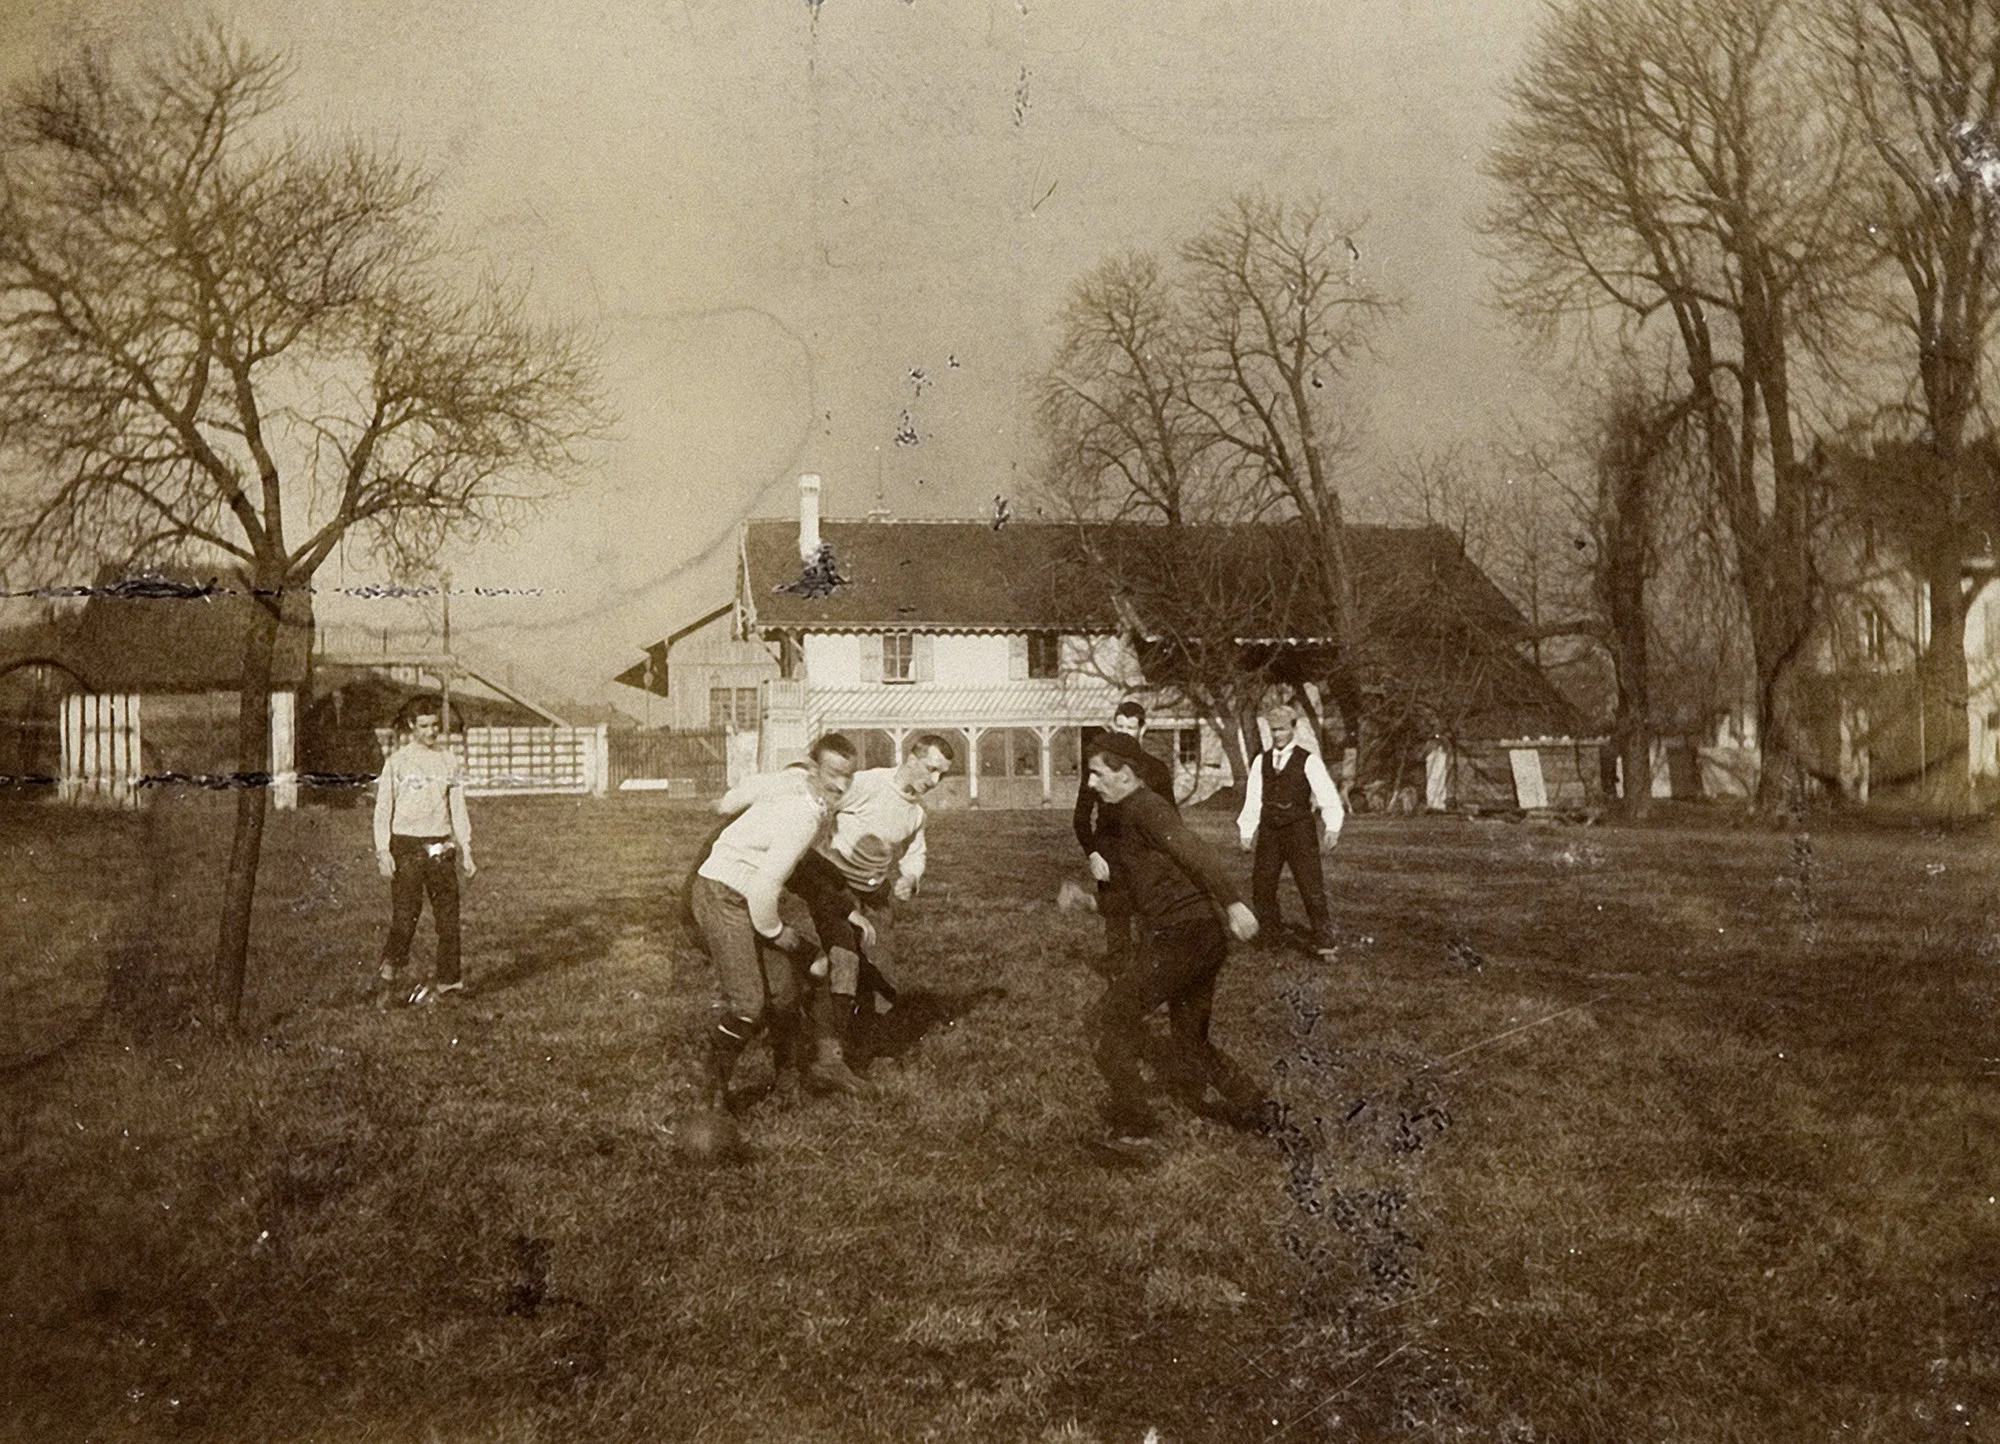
[1027,576]
[170,638]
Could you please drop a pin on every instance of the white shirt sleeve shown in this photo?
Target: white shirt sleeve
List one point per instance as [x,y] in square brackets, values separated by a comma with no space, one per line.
[1331,814]
[791,835]
[1253,800]
[385,803]
[915,855]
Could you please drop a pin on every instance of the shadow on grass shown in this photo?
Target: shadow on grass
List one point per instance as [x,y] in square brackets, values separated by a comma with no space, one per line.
[918,1013]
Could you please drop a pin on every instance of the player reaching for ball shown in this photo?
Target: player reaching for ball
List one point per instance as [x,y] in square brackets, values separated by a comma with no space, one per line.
[761,962]
[1096,827]
[1183,899]
[877,848]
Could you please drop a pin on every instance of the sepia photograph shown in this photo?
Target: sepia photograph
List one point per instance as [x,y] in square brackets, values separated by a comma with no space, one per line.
[1064,721]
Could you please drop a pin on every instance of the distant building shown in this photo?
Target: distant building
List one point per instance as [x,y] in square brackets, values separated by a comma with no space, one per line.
[139,682]
[998,639]
[1872,718]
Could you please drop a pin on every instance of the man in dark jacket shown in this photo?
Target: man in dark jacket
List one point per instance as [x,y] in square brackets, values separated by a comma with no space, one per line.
[1182,896]
[1096,828]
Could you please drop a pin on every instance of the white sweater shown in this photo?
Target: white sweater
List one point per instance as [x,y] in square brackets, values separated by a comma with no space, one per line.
[876,806]
[756,853]
[421,793]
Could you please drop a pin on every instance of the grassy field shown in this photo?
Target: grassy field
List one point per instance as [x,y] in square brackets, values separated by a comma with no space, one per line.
[1676,1134]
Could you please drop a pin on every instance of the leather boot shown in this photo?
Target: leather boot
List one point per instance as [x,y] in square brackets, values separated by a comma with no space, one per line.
[829,1072]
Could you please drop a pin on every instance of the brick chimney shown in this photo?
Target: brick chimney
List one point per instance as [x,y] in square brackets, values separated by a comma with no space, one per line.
[808,516]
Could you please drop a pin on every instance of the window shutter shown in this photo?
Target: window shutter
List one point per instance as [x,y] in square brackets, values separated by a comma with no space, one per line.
[1017,656]
[871,657]
[923,664]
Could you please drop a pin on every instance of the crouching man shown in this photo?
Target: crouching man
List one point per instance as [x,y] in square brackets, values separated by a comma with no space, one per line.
[878,849]
[1187,909]
[762,963]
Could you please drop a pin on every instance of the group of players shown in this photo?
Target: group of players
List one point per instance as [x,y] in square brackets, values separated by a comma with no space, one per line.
[849,845]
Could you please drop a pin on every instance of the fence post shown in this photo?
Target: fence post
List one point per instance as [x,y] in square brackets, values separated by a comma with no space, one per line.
[284,760]
[71,734]
[600,760]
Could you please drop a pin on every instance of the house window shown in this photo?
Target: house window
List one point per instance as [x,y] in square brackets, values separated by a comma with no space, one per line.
[1187,747]
[1874,635]
[1044,654]
[732,707]
[899,657]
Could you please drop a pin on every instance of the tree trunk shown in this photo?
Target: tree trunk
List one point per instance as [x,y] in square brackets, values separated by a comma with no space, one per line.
[1631,728]
[1944,687]
[253,794]
[1232,748]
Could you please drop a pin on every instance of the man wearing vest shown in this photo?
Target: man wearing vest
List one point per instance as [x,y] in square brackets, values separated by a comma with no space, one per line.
[1287,783]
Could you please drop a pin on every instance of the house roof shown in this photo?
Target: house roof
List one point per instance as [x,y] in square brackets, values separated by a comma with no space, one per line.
[1444,639]
[190,641]
[971,576]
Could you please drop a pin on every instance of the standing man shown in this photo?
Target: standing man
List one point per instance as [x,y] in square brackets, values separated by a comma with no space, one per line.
[1287,784]
[760,960]
[1097,832]
[423,840]
[878,853]
[1184,899]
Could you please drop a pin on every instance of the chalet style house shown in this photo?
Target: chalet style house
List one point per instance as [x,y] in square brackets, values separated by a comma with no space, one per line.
[1001,639]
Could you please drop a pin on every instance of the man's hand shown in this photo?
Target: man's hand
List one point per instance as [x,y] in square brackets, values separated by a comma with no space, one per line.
[465,864]
[1099,868]
[863,927]
[787,940]
[1246,840]
[1242,922]
[385,863]
[903,889]
[1332,836]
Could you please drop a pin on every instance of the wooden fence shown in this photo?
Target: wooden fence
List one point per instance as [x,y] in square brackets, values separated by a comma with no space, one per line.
[100,748]
[681,764]
[509,761]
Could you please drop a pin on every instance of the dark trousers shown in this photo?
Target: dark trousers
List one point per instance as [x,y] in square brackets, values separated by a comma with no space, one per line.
[418,875]
[1294,845]
[830,898]
[1176,966]
[1114,905]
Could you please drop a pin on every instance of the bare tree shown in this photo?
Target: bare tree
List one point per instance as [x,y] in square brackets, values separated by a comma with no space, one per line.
[1924,76]
[1127,439]
[1639,463]
[1282,310]
[1669,165]
[218,337]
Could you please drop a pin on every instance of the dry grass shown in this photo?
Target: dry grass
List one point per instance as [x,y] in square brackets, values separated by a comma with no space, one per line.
[1702,1148]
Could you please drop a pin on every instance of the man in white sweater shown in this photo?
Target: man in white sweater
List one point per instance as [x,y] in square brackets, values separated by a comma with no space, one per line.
[878,847]
[423,840]
[1287,784]
[760,960]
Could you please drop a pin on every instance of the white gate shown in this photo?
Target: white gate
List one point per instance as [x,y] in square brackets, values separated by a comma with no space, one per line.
[512,761]
[100,748]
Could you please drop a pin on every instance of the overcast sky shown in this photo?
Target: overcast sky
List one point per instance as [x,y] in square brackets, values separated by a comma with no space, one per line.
[775,212]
